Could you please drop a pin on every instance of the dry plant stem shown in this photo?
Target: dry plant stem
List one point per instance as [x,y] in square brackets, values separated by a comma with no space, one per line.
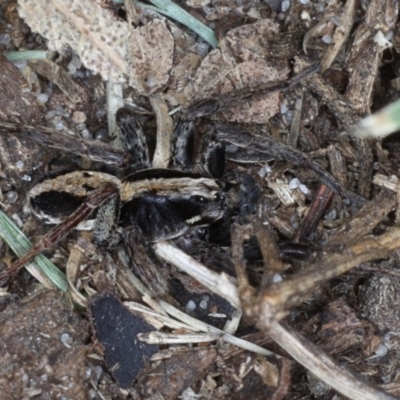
[52,138]
[284,380]
[60,77]
[289,293]
[338,105]
[364,220]
[340,36]
[165,128]
[366,52]
[318,207]
[220,284]
[318,362]
[60,231]
[269,147]
[270,252]
[296,122]
[267,310]
[210,106]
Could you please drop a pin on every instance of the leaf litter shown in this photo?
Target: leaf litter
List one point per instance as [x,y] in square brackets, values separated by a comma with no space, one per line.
[250,56]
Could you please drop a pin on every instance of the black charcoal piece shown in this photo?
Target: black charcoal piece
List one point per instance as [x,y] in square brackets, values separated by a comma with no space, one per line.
[116,329]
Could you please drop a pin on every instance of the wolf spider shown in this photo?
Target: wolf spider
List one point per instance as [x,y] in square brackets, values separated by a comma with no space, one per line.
[159,204]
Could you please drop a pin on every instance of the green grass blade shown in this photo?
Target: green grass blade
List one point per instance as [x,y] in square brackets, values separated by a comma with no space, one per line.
[26,55]
[172,10]
[20,244]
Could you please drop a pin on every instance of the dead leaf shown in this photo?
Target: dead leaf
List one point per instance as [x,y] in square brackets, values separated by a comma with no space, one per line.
[91,31]
[241,61]
[151,50]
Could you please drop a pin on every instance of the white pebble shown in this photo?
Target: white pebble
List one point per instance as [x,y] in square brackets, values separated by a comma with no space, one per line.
[294,184]
[20,64]
[336,21]
[208,10]
[277,278]
[284,108]
[26,178]
[42,98]
[204,303]
[65,340]
[76,61]
[190,306]
[51,114]
[381,350]
[304,189]
[85,134]
[202,49]
[327,39]
[71,69]
[285,5]
[20,165]
[12,196]
[331,216]
[264,171]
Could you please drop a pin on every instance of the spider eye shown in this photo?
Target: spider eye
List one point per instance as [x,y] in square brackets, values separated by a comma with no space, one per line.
[199,199]
[218,197]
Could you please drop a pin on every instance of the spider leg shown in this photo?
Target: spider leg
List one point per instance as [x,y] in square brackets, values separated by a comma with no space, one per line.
[96,199]
[133,138]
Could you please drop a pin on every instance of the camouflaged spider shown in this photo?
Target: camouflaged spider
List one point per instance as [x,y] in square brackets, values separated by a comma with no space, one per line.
[162,203]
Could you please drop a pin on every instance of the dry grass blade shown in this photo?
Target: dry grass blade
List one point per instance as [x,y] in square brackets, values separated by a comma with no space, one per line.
[96,151]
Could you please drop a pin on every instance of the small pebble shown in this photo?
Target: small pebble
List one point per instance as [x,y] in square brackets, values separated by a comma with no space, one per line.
[76,61]
[65,340]
[327,39]
[320,7]
[304,189]
[284,108]
[294,184]
[190,306]
[51,114]
[79,117]
[20,165]
[381,350]
[331,216]
[209,10]
[203,49]
[85,134]
[20,64]
[264,171]
[336,21]
[12,196]
[285,5]
[204,303]
[71,69]
[5,39]
[42,98]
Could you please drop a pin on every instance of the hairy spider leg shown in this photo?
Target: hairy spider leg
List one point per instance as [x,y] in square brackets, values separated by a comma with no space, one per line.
[133,138]
[95,200]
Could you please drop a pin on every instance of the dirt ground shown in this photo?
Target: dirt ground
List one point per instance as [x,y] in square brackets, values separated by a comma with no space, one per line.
[295,290]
